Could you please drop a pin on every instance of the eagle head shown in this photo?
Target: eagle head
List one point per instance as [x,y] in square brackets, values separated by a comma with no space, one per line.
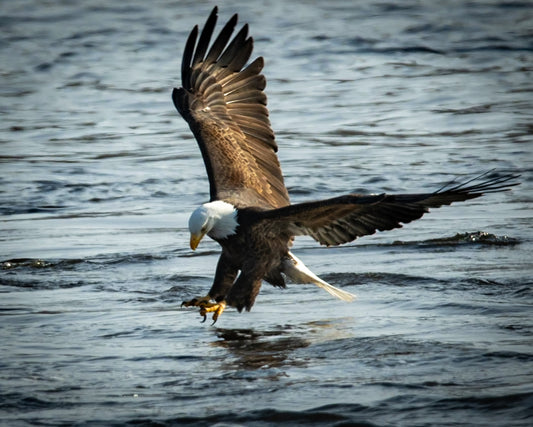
[217,219]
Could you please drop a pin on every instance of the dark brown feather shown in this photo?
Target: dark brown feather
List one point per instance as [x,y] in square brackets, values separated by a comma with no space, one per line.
[225,107]
[343,219]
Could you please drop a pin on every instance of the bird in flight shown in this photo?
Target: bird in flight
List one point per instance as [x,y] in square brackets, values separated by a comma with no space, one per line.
[249,212]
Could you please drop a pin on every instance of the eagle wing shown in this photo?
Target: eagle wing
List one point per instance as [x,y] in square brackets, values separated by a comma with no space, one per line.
[224,103]
[345,218]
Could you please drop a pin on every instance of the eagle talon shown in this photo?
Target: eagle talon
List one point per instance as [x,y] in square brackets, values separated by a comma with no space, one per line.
[206,306]
[196,302]
[215,308]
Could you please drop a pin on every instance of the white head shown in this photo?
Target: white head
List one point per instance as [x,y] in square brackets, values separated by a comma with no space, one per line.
[217,219]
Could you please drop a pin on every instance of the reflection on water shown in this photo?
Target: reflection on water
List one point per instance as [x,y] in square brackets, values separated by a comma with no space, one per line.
[251,349]
[278,347]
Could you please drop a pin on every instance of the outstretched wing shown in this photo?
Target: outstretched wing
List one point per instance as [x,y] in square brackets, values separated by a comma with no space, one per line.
[225,107]
[343,219]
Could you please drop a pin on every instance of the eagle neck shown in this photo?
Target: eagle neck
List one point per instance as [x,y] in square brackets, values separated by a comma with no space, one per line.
[223,218]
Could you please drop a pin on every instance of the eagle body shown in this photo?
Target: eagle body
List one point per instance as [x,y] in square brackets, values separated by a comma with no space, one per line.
[251,246]
[249,212]
[257,253]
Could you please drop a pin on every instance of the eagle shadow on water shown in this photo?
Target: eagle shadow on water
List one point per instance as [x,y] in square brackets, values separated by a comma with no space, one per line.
[254,349]
[249,212]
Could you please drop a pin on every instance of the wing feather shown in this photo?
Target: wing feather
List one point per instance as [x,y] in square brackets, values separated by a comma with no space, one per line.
[235,51]
[203,42]
[224,103]
[187,57]
[345,218]
[234,87]
[222,39]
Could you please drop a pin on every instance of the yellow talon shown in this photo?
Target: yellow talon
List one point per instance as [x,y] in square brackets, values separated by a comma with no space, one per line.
[197,302]
[206,306]
[215,308]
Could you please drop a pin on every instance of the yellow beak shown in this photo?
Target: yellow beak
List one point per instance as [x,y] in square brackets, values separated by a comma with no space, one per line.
[195,240]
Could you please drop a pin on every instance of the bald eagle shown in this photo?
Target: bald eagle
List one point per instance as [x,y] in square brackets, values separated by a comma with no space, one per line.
[249,213]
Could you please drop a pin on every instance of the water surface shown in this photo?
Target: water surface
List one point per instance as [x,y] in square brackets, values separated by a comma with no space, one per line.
[99,175]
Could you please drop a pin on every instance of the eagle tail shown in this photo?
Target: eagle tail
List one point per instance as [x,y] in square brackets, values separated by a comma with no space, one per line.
[296,270]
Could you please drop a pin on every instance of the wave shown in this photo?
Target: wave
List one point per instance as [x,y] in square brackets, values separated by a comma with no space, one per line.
[406,409]
[475,237]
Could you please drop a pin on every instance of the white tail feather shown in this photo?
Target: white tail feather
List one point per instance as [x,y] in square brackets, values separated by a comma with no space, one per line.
[298,272]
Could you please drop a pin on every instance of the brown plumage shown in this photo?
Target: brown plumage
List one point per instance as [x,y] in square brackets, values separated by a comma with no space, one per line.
[249,213]
[225,107]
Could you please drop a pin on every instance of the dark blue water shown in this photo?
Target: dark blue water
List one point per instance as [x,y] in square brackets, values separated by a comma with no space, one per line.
[99,175]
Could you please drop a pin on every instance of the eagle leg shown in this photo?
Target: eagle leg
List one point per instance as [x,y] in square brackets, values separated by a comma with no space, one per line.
[206,306]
